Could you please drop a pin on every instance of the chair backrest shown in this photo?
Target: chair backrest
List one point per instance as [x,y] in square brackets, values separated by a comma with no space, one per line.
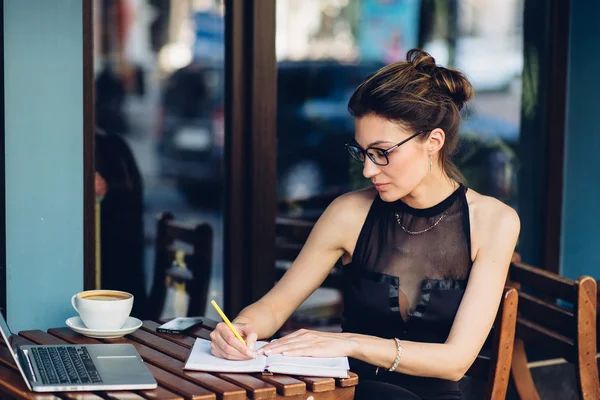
[291,234]
[495,368]
[558,316]
[199,238]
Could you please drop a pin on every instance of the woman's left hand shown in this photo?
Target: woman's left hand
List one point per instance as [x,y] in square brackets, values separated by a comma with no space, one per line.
[306,343]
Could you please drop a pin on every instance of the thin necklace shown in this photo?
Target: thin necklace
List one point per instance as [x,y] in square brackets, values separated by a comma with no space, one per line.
[399,219]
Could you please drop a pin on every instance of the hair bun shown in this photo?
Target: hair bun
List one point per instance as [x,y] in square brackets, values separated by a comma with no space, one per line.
[420,59]
[451,81]
[455,84]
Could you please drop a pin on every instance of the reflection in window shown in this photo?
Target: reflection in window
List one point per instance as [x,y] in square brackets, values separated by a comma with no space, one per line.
[159,88]
[326,47]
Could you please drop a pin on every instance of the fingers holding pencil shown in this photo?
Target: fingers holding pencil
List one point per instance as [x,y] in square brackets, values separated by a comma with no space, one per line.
[228,342]
[251,338]
[225,344]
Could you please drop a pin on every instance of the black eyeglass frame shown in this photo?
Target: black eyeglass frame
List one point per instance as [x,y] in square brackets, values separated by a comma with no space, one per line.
[384,152]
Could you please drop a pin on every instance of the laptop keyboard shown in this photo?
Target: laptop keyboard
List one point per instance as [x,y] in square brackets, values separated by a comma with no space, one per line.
[65,365]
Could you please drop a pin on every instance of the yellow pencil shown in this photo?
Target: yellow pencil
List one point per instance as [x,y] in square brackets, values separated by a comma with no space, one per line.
[226,320]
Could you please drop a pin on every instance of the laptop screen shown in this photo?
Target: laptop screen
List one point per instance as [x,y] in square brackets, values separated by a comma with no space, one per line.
[10,339]
[12,342]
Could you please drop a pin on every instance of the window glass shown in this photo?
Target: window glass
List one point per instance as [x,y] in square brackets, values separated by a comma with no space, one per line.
[159,84]
[325,48]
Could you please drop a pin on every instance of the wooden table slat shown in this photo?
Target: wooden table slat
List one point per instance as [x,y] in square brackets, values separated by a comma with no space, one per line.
[69,336]
[286,385]
[338,394]
[80,396]
[351,380]
[199,332]
[225,390]
[222,388]
[160,393]
[163,345]
[315,384]
[182,340]
[123,396]
[40,337]
[257,389]
[188,389]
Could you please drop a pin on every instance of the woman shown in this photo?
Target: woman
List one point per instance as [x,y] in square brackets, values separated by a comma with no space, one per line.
[426,258]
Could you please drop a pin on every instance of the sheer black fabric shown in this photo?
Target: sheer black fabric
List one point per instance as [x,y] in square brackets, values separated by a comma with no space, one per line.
[407,278]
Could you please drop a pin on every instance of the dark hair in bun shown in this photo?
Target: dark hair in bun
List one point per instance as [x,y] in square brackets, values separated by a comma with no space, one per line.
[419,94]
[449,80]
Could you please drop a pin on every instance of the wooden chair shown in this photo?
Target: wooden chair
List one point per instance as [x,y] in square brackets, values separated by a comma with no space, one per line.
[495,368]
[199,238]
[555,328]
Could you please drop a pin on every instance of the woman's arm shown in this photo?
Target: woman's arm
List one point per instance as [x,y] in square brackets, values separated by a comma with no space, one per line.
[335,229]
[335,233]
[497,233]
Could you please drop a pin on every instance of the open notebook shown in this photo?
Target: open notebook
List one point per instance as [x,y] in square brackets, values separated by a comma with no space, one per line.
[201,359]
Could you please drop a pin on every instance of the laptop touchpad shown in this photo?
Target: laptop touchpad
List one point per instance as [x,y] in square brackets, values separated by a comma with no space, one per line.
[125,367]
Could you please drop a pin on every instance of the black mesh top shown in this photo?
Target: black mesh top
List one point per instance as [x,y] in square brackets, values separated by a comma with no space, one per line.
[407,277]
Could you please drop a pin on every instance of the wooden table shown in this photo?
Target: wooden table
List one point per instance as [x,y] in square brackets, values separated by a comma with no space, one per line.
[165,356]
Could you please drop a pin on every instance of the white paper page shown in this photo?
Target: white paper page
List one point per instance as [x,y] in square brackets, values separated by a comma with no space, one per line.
[201,359]
[308,366]
[302,370]
[311,362]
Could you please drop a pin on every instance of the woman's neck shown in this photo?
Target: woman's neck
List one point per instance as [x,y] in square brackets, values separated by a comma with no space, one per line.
[436,186]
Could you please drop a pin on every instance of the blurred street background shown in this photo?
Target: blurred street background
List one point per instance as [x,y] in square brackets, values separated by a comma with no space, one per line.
[159,68]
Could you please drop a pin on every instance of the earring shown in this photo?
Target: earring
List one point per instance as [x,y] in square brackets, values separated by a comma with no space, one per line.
[430,162]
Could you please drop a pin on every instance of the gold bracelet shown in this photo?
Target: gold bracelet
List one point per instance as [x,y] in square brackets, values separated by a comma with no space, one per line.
[398,355]
[397,360]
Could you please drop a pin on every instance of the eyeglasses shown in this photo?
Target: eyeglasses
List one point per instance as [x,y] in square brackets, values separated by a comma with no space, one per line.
[375,154]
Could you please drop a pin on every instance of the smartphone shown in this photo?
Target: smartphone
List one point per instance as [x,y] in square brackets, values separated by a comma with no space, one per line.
[179,325]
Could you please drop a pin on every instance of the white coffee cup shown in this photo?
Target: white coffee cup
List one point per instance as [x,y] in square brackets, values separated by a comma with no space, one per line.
[103,309]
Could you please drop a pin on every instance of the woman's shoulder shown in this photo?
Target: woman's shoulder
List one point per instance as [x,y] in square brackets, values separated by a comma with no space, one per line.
[358,200]
[489,214]
[350,210]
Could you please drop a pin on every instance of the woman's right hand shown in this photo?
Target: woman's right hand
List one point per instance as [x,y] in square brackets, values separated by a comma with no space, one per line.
[224,344]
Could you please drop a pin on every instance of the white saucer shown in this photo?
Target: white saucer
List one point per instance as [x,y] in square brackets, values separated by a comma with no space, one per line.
[131,325]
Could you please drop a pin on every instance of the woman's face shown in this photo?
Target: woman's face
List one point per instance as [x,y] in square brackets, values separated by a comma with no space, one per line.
[408,163]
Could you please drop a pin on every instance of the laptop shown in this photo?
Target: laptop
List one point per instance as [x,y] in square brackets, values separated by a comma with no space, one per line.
[59,368]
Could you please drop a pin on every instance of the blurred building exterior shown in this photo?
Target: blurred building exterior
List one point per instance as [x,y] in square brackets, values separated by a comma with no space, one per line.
[154,49]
